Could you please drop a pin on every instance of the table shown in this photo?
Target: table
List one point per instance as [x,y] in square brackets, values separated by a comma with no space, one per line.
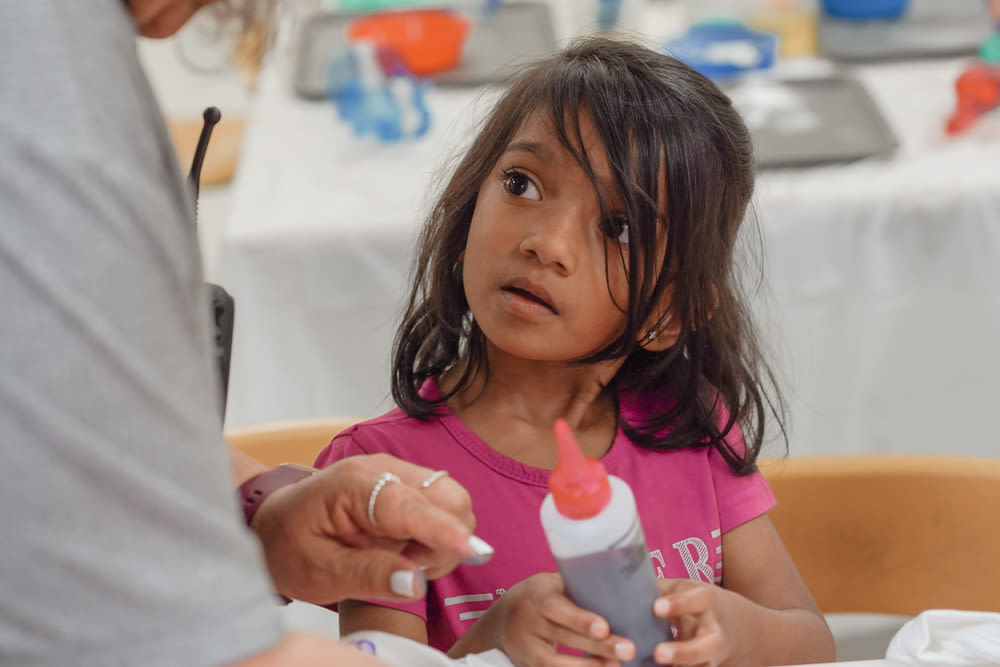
[304,617]
[858,636]
[882,298]
[856,663]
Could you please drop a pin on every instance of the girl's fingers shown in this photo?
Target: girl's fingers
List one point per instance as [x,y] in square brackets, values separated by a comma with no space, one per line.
[613,648]
[693,600]
[689,607]
[686,625]
[560,611]
[703,649]
[700,641]
[576,628]
[539,649]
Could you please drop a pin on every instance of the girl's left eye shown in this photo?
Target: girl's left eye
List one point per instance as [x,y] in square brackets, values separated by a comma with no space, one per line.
[616,228]
[519,185]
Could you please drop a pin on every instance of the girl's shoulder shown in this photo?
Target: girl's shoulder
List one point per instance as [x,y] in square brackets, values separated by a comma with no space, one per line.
[393,426]
[396,425]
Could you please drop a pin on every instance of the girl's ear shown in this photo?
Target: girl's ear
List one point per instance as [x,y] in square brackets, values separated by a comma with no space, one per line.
[662,330]
[660,334]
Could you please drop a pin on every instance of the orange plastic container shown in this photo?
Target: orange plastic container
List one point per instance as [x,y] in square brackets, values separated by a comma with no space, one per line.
[427,40]
[978,91]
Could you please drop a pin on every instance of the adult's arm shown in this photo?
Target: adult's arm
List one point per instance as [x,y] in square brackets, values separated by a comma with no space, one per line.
[122,543]
[306,650]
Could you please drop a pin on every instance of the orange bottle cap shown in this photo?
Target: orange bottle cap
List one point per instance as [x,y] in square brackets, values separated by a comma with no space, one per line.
[579,484]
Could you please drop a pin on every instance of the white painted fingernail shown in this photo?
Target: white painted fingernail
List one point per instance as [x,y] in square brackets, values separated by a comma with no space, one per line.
[482,551]
[408,583]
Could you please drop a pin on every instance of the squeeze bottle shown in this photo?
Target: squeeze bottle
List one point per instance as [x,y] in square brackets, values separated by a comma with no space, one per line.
[592,526]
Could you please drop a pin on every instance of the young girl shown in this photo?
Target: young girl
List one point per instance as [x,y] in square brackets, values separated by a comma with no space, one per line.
[579,264]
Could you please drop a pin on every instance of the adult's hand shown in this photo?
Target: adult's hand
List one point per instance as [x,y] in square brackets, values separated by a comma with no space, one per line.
[322,547]
[162,18]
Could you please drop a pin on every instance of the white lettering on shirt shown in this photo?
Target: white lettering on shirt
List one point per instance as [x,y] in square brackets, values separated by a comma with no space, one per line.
[657,557]
[695,567]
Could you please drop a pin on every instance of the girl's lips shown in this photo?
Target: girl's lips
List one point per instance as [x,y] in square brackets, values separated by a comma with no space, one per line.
[529,290]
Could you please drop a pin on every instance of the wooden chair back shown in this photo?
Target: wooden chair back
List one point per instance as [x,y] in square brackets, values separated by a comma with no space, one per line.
[892,533]
[274,443]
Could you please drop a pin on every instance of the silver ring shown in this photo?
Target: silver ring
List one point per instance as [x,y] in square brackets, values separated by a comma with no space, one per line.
[435,476]
[382,481]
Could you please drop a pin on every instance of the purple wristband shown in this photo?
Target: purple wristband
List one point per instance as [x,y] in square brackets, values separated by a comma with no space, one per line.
[256,489]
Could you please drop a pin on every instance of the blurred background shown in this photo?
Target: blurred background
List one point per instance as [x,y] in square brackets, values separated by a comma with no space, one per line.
[878,200]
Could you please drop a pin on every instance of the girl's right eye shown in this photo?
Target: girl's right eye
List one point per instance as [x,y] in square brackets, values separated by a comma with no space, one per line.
[616,227]
[519,185]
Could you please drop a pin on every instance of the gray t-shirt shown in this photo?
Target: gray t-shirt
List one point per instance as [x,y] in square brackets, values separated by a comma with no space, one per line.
[120,542]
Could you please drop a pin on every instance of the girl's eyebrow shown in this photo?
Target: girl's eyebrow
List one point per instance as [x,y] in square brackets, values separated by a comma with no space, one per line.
[544,153]
[538,149]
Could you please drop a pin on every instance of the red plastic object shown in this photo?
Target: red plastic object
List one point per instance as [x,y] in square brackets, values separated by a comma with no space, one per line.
[579,484]
[427,40]
[978,91]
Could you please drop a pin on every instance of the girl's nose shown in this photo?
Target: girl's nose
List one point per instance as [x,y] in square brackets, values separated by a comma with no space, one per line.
[554,239]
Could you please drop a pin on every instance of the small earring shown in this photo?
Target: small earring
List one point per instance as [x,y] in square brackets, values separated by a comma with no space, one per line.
[651,335]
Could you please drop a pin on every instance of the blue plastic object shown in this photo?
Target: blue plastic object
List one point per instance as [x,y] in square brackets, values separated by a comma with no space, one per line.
[373,91]
[608,13]
[864,10]
[723,49]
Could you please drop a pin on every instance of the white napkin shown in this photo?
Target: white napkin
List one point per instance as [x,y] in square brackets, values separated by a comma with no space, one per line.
[948,637]
[402,652]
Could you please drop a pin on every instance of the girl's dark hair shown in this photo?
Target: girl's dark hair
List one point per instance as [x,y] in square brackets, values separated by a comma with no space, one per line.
[670,135]
[248,13]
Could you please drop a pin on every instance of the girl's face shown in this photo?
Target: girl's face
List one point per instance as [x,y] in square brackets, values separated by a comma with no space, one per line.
[543,270]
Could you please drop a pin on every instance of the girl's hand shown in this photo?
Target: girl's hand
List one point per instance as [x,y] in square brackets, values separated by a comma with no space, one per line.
[691,607]
[535,616]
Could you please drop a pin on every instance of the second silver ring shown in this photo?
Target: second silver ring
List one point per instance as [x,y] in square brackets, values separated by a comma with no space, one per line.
[434,476]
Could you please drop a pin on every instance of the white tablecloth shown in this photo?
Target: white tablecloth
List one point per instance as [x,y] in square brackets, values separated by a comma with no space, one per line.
[883,276]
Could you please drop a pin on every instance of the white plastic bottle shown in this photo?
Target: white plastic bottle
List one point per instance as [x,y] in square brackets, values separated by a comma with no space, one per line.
[593,530]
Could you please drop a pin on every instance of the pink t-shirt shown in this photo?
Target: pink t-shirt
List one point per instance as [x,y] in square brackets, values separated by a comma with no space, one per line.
[687,499]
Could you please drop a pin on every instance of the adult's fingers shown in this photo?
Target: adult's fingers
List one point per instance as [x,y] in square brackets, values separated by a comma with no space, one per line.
[443,491]
[311,554]
[376,573]
[157,19]
[406,513]
[439,517]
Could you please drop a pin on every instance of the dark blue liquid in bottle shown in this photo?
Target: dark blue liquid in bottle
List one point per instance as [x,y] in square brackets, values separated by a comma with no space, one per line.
[616,585]
[593,529]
